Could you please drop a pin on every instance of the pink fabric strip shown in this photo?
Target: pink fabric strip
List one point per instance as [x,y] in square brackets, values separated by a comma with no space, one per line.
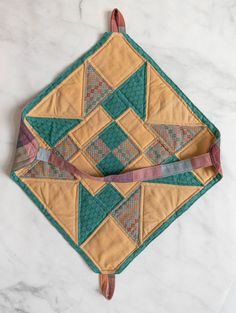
[32,149]
[117,21]
[139,175]
[215,156]
[28,141]
[203,160]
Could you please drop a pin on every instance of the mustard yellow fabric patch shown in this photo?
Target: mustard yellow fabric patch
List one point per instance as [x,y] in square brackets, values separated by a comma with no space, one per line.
[91,126]
[62,206]
[65,101]
[164,105]
[199,145]
[108,246]
[116,60]
[159,203]
[84,164]
[133,125]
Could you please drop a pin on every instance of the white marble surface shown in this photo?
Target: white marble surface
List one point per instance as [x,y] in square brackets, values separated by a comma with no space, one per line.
[191,267]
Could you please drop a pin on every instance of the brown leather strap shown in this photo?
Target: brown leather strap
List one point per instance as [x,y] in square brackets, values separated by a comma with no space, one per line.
[107,285]
[117,22]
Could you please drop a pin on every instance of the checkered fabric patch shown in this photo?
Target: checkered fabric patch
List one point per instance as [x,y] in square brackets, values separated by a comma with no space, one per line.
[128,215]
[176,136]
[66,148]
[157,153]
[126,152]
[98,150]
[96,89]
[112,150]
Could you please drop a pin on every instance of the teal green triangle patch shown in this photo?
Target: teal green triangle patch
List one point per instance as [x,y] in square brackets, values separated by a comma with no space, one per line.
[115,104]
[183,179]
[93,209]
[52,129]
[91,213]
[134,90]
[171,159]
[110,197]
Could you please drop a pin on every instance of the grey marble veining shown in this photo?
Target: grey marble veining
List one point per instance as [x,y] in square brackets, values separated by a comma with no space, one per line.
[191,266]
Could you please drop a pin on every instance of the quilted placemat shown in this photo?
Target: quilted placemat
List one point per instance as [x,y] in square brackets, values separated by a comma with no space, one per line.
[112,152]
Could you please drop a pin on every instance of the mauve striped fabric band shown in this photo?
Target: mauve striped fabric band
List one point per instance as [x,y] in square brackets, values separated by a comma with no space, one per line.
[117,22]
[28,150]
[163,170]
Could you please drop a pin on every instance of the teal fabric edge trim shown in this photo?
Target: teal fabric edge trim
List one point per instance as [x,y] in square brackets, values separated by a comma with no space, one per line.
[24,187]
[201,116]
[65,74]
[177,214]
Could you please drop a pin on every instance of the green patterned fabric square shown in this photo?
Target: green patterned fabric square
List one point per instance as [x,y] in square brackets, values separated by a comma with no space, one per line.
[115,105]
[110,165]
[91,213]
[134,90]
[113,135]
[110,197]
[52,129]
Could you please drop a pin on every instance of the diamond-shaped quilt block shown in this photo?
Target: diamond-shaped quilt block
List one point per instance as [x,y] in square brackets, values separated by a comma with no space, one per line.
[112,150]
[91,143]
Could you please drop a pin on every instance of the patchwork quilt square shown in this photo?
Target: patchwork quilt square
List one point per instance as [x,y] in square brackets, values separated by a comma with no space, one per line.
[113,109]
[112,150]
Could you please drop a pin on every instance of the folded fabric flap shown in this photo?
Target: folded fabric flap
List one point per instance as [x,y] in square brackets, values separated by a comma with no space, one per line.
[27,148]
[215,156]
[117,21]
[107,285]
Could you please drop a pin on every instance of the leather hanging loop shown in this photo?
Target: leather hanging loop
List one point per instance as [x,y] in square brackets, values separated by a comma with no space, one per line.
[117,21]
[107,285]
